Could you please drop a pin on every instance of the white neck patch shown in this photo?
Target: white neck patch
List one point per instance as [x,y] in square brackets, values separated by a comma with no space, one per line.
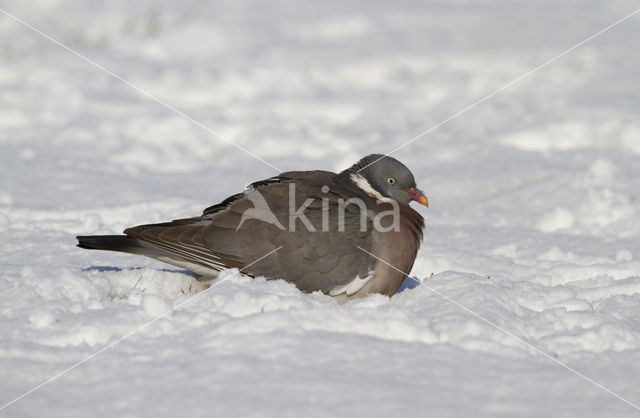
[365,186]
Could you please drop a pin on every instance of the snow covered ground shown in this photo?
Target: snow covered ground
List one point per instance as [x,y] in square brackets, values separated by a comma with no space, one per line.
[533,225]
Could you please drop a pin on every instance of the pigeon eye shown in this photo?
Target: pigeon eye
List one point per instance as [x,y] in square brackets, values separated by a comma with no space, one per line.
[391,180]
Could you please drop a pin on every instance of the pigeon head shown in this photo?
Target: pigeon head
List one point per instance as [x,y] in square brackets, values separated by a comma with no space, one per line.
[381,176]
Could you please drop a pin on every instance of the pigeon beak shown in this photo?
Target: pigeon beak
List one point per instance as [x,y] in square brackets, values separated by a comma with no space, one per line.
[418,196]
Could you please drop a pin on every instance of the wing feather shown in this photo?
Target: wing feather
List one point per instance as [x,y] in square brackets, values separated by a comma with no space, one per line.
[320,260]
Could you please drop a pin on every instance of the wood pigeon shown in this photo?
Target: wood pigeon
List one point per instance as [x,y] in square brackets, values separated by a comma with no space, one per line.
[331,231]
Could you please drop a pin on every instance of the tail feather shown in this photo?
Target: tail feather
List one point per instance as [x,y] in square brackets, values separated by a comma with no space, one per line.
[126,244]
[121,243]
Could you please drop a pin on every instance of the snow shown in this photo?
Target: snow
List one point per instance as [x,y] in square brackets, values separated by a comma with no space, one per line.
[533,224]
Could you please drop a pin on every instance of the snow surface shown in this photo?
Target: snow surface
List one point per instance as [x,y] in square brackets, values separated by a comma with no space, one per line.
[533,225]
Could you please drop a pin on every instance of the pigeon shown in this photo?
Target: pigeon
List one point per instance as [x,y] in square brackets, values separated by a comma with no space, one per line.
[347,234]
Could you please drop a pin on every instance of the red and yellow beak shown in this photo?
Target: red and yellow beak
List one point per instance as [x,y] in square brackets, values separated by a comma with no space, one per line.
[418,196]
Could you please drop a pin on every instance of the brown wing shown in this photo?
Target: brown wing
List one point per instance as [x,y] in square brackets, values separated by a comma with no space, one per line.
[246,227]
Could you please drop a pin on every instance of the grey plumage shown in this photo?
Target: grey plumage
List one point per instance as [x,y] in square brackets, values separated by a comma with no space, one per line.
[326,259]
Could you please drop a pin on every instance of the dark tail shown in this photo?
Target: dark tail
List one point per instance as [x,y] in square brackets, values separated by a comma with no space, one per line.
[121,243]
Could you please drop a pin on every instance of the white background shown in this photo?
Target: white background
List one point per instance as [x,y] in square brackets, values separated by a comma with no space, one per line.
[533,224]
